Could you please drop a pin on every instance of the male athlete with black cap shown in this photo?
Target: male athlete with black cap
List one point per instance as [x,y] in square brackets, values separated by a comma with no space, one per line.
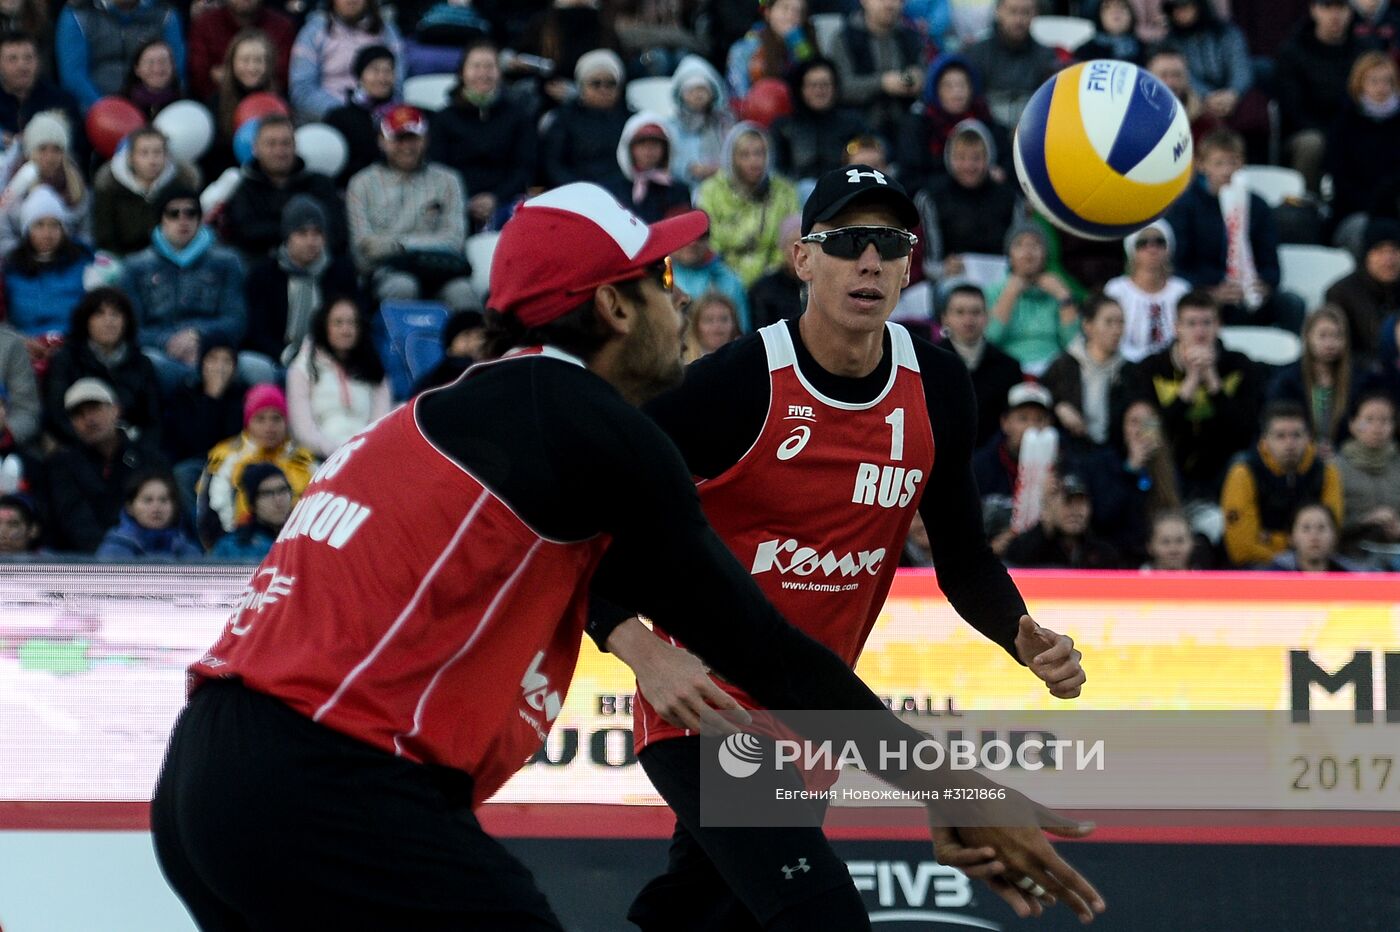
[408,641]
[815,440]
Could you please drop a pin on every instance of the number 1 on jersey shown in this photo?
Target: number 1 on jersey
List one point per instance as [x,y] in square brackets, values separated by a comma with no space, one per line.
[896,422]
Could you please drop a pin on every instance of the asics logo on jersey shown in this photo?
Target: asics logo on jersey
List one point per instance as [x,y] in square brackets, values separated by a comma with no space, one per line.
[795,442]
[886,486]
[853,176]
[788,556]
[538,695]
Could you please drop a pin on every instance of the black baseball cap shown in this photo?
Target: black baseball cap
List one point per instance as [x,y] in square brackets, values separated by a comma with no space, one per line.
[842,186]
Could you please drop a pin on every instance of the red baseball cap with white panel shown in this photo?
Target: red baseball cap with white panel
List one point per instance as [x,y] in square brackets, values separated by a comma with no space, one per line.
[565,243]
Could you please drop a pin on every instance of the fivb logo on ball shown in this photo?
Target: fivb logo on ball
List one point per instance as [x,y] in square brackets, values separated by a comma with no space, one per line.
[1102,149]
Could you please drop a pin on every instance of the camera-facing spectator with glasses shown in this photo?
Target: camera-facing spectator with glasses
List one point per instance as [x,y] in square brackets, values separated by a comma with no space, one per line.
[581,142]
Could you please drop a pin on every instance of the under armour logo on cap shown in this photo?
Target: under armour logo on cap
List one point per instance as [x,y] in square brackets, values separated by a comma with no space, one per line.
[853,176]
[791,872]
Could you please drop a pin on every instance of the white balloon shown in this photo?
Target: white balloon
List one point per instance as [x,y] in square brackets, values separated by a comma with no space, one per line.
[322,148]
[189,127]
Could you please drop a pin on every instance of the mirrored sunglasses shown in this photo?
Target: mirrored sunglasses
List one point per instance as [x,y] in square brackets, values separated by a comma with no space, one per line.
[851,242]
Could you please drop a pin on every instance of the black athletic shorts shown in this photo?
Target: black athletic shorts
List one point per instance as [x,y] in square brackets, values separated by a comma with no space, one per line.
[739,879]
[265,820]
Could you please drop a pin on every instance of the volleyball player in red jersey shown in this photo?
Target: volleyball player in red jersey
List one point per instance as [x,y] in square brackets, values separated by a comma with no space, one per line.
[409,639]
[814,442]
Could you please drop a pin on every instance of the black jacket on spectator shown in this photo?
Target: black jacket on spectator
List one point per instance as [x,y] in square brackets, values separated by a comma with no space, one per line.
[993,378]
[265,291]
[253,215]
[195,423]
[133,379]
[361,132]
[581,145]
[856,57]
[86,493]
[1201,244]
[1204,435]
[1036,548]
[807,144]
[973,219]
[1366,303]
[774,297]
[493,148]
[1310,78]
[1119,499]
[1361,158]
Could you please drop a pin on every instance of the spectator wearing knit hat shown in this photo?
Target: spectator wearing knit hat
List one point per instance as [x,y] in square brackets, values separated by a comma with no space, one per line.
[408,219]
[358,117]
[323,55]
[581,143]
[223,503]
[252,219]
[87,481]
[47,142]
[284,289]
[44,271]
[271,495]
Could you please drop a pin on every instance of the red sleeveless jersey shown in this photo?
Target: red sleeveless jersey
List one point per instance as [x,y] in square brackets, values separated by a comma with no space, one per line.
[407,606]
[820,505]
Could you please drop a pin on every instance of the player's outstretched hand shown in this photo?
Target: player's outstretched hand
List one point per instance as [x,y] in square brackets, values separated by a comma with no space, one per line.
[1051,657]
[1019,864]
[677,684]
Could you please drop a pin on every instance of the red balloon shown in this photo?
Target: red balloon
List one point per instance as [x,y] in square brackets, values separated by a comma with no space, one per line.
[111,120]
[259,105]
[767,100]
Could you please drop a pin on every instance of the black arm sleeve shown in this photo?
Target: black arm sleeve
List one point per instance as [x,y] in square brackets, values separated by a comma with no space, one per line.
[970,575]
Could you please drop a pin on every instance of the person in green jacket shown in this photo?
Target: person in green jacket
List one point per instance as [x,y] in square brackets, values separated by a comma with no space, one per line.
[747,202]
[1034,316]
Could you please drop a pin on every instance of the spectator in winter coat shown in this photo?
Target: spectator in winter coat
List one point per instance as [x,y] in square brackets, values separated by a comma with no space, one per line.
[1033,313]
[993,372]
[581,142]
[206,408]
[87,481]
[252,219]
[647,187]
[699,270]
[485,135]
[702,119]
[44,273]
[126,189]
[747,203]
[47,146]
[1371,292]
[271,494]
[95,39]
[223,500]
[1310,79]
[780,40]
[24,91]
[1365,136]
[150,525]
[336,385]
[1313,540]
[17,381]
[213,30]
[1216,53]
[285,289]
[1116,36]
[408,219]
[965,210]
[952,95]
[102,344]
[185,285]
[881,62]
[812,139]
[1063,538]
[1086,380]
[358,117]
[1011,62]
[1370,468]
[321,70]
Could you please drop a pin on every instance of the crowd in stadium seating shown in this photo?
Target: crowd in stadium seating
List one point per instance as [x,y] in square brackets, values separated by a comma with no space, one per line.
[189,331]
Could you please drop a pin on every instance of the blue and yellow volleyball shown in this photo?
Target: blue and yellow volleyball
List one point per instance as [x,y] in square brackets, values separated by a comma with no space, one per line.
[1103,149]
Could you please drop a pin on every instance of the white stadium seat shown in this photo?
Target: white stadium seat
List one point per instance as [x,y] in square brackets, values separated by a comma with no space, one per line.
[1063,32]
[428,91]
[652,94]
[1274,183]
[480,249]
[1308,271]
[1268,345]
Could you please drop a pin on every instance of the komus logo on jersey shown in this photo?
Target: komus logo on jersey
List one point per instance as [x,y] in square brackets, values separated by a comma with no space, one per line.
[788,556]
